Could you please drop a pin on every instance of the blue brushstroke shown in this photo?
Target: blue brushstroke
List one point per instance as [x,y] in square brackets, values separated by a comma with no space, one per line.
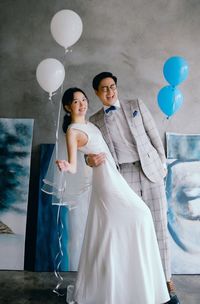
[15,150]
[47,235]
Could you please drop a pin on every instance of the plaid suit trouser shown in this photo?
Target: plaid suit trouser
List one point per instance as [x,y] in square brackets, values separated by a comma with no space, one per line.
[154,196]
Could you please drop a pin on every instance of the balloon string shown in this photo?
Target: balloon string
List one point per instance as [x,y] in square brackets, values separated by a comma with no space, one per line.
[59,255]
[58,124]
[59,112]
[58,258]
[165,123]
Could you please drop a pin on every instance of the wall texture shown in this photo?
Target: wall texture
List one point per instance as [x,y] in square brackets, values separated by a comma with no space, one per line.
[131,38]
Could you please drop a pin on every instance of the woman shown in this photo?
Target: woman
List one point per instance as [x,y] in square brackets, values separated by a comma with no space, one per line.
[120,261]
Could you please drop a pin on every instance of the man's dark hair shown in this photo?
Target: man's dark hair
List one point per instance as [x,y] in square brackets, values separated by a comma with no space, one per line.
[97,79]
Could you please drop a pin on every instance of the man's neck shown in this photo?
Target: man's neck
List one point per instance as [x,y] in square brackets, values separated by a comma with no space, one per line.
[116,104]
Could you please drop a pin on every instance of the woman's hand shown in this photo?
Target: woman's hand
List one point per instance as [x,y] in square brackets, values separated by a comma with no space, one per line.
[63,165]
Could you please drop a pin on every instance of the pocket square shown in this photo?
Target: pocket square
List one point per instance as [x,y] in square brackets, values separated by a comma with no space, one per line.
[135,113]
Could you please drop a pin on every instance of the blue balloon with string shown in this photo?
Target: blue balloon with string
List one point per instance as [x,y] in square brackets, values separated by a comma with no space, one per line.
[170,100]
[175,70]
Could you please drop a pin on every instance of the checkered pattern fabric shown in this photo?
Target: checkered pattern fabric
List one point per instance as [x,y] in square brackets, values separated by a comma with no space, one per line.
[153,194]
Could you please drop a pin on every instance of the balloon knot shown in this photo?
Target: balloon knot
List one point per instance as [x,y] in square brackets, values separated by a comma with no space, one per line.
[68,51]
[50,96]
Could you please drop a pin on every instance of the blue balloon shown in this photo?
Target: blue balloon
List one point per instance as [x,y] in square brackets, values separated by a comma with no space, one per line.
[170,100]
[175,70]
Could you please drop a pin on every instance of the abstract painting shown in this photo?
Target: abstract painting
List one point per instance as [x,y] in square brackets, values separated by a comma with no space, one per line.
[15,155]
[183,195]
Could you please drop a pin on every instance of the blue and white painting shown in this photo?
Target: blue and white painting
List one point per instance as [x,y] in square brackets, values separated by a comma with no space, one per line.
[183,195]
[47,245]
[60,229]
[15,155]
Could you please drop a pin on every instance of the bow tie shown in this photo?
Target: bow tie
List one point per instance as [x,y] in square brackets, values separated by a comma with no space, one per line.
[111,108]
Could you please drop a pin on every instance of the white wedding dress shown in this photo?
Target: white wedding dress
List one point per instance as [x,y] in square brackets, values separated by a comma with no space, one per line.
[120,261]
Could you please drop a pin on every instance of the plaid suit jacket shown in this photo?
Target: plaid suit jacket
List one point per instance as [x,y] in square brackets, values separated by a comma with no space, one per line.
[146,136]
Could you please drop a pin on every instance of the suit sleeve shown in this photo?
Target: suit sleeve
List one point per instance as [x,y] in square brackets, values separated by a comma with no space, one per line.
[152,131]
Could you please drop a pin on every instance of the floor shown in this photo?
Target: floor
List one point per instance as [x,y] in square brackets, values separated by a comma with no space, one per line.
[22,287]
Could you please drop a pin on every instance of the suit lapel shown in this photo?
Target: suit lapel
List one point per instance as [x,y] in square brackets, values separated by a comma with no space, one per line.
[129,108]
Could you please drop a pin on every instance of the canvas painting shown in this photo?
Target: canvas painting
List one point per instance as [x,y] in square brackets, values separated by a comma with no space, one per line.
[60,229]
[15,155]
[183,195]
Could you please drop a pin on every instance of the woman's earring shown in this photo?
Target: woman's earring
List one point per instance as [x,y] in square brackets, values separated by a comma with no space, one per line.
[68,114]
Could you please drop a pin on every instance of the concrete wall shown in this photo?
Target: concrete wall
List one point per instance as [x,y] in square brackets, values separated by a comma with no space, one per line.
[131,38]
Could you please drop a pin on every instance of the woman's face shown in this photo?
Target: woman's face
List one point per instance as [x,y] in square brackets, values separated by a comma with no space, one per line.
[79,104]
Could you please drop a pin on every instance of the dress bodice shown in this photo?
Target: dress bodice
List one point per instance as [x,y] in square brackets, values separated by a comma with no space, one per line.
[96,143]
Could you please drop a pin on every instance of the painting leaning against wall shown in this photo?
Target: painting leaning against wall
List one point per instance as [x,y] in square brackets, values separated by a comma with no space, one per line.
[183,195]
[15,154]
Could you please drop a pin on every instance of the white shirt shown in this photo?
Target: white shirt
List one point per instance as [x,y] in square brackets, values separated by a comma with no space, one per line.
[116,104]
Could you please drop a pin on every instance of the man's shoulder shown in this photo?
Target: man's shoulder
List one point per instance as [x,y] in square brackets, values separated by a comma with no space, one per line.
[95,116]
[127,102]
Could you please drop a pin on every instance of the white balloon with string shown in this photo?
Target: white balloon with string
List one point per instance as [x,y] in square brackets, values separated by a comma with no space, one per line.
[50,74]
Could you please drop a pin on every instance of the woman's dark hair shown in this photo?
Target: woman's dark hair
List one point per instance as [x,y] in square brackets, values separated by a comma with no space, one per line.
[67,100]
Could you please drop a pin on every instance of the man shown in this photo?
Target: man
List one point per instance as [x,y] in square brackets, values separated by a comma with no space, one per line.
[134,142]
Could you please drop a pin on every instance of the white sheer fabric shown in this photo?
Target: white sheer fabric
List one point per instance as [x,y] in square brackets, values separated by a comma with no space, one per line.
[71,191]
[66,189]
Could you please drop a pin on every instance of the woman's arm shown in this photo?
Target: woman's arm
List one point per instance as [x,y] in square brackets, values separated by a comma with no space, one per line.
[72,145]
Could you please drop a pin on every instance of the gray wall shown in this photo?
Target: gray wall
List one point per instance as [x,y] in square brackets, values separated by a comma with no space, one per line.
[131,38]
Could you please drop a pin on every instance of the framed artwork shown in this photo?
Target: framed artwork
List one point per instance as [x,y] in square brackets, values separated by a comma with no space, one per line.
[15,156]
[183,195]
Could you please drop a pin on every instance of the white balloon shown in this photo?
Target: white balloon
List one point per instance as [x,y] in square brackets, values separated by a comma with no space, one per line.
[50,75]
[66,27]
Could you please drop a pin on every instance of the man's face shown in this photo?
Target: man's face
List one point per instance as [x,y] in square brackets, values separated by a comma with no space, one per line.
[107,91]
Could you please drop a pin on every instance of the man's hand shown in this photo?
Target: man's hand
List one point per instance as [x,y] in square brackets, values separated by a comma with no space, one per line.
[95,160]
[63,165]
